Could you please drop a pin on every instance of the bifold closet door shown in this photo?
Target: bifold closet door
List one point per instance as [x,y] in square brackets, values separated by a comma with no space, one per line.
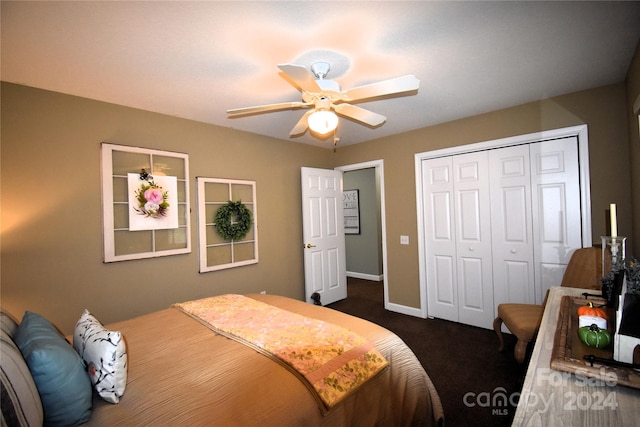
[500,226]
[536,217]
[458,239]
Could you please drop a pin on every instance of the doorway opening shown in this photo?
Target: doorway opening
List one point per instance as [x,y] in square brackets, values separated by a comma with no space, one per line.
[374,266]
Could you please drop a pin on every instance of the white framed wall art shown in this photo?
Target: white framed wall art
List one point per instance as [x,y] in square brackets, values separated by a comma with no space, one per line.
[145,202]
[233,202]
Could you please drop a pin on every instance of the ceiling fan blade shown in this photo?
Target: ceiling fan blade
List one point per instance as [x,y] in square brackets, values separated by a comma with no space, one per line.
[301,77]
[360,114]
[385,87]
[269,107]
[302,126]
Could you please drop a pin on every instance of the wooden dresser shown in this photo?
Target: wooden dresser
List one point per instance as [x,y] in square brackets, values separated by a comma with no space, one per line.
[554,398]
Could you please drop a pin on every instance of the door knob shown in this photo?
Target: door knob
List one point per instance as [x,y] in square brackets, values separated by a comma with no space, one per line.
[309,246]
[513,251]
[471,248]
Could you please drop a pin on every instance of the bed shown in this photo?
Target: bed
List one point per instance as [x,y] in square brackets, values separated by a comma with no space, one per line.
[182,371]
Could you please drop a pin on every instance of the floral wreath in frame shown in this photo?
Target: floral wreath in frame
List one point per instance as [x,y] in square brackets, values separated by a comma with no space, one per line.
[152,199]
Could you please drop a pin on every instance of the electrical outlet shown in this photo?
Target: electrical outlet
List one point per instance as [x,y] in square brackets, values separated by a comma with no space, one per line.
[404,240]
[263,292]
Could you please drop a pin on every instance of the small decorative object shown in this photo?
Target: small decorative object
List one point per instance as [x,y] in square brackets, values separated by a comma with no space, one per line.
[612,288]
[627,336]
[613,255]
[614,220]
[632,270]
[594,336]
[591,310]
[233,220]
[590,320]
[316,298]
[152,199]
[590,314]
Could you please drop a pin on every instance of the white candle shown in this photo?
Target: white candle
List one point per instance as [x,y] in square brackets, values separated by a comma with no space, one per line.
[614,223]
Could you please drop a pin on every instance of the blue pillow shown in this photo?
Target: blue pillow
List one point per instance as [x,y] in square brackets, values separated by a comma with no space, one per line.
[58,371]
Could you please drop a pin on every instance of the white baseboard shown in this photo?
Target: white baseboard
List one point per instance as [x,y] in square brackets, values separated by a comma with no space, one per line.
[365,276]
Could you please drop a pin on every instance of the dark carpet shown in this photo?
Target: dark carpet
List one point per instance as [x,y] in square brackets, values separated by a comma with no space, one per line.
[471,376]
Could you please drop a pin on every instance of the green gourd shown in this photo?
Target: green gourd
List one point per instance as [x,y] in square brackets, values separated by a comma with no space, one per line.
[593,336]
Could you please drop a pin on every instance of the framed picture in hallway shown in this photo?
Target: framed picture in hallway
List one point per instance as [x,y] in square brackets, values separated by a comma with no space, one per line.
[351,207]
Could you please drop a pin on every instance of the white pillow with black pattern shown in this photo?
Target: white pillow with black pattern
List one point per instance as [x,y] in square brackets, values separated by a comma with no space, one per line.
[105,354]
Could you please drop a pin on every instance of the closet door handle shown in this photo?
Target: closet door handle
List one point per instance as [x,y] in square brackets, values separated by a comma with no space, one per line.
[513,251]
[471,248]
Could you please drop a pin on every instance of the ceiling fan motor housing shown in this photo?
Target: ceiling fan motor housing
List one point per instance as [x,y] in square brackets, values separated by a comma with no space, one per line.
[320,69]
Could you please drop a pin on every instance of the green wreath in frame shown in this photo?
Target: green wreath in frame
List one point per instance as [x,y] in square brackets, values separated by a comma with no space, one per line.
[233,220]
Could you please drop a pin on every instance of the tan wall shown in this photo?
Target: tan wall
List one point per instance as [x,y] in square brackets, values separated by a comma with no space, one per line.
[51,208]
[633,92]
[602,109]
[51,255]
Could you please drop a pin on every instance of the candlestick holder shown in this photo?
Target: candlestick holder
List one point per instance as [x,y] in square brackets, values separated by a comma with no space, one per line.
[613,254]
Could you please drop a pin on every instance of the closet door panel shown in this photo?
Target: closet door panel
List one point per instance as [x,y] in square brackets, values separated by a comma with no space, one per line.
[473,239]
[445,291]
[512,243]
[443,255]
[516,225]
[472,289]
[440,244]
[517,274]
[441,226]
[552,218]
[470,215]
[557,220]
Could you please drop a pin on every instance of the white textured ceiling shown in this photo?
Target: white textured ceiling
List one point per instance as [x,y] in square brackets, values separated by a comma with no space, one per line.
[198,59]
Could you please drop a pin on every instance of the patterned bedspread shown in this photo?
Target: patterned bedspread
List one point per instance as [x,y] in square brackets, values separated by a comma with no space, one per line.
[331,360]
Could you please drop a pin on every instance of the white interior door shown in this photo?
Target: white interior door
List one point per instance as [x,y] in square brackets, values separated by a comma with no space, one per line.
[473,239]
[323,235]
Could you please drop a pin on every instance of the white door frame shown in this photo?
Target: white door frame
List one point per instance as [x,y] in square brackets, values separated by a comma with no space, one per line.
[579,131]
[379,166]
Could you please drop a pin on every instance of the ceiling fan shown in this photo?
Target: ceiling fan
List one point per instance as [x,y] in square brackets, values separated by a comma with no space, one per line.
[326,98]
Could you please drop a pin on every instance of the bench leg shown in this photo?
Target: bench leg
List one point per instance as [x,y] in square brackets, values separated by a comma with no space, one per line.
[520,350]
[497,326]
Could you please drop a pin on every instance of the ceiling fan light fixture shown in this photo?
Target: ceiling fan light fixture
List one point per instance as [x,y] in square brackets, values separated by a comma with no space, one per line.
[327,98]
[322,121]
